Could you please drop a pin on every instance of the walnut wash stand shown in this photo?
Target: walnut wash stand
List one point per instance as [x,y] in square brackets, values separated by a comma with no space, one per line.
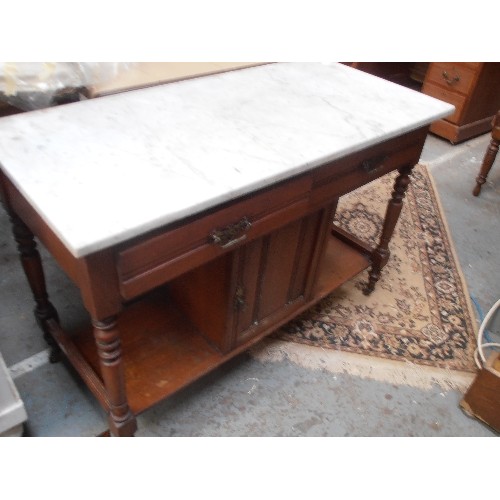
[196,217]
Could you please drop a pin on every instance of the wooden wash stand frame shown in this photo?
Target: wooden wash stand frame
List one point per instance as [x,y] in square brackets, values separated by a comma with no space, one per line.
[172,304]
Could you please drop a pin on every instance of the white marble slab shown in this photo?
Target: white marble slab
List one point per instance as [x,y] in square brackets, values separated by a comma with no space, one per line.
[104,170]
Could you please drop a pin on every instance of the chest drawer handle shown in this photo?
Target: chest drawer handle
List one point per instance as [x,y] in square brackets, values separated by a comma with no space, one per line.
[449,80]
[230,235]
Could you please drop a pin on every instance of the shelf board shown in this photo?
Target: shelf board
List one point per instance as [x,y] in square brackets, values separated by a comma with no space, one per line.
[162,352]
[339,263]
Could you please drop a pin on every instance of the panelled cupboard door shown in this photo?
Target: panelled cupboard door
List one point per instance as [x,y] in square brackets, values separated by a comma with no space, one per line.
[273,275]
[255,286]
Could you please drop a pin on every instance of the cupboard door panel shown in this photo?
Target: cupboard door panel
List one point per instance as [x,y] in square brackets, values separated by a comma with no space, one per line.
[274,274]
[247,265]
[276,270]
[308,241]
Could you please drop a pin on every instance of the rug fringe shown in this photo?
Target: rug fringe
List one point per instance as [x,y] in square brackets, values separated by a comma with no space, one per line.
[362,366]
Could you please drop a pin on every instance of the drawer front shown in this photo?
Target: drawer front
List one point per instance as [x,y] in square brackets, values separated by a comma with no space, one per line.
[454,77]
[450,96]
[342,176]
[473,65]
[156,260]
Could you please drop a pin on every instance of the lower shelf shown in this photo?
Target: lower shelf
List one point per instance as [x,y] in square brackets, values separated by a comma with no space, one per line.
[341,262]
[163,352]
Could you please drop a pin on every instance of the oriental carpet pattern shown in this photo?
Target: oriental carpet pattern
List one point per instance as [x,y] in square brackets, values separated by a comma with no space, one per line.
[420,309]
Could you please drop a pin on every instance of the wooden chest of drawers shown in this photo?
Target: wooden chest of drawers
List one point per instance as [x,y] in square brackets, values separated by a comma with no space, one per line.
[472,87]
[474,90]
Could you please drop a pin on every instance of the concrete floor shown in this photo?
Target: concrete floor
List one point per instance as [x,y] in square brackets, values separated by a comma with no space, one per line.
[250,396]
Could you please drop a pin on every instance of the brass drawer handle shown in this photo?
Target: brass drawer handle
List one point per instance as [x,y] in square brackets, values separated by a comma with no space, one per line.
[450,81]
[230,235]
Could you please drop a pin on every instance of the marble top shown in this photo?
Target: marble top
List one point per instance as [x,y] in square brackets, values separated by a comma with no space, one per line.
[104,170]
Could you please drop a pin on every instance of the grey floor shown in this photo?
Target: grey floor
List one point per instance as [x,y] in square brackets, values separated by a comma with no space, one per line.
[251,397]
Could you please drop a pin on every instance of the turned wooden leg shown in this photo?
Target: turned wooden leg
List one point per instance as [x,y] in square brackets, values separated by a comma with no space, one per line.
[32,265]
[489,156]
[121,420]
[381,254]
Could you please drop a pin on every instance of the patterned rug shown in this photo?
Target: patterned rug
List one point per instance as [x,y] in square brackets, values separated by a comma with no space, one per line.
[420,310]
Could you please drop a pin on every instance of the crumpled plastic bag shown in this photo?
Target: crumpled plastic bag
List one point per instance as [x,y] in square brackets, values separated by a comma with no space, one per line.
[33,85]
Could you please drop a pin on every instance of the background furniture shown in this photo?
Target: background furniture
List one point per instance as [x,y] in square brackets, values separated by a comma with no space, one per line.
[145,74]
[482,399]
[31,87]
[12,410]
[472,87]
[474,90]
[489,156]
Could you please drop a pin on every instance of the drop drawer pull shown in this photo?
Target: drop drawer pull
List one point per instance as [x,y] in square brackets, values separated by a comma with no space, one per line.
[450,81]
[230,235]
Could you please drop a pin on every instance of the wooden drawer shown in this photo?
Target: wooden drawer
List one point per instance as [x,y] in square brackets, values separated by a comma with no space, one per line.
[156,260]
[473,65]
[450,96]
[342,176]
[454,77]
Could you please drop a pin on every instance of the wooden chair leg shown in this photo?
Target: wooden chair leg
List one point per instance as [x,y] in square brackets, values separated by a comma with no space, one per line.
[489,156]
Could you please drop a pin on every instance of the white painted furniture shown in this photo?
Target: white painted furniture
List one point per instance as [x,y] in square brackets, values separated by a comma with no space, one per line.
[12,410]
